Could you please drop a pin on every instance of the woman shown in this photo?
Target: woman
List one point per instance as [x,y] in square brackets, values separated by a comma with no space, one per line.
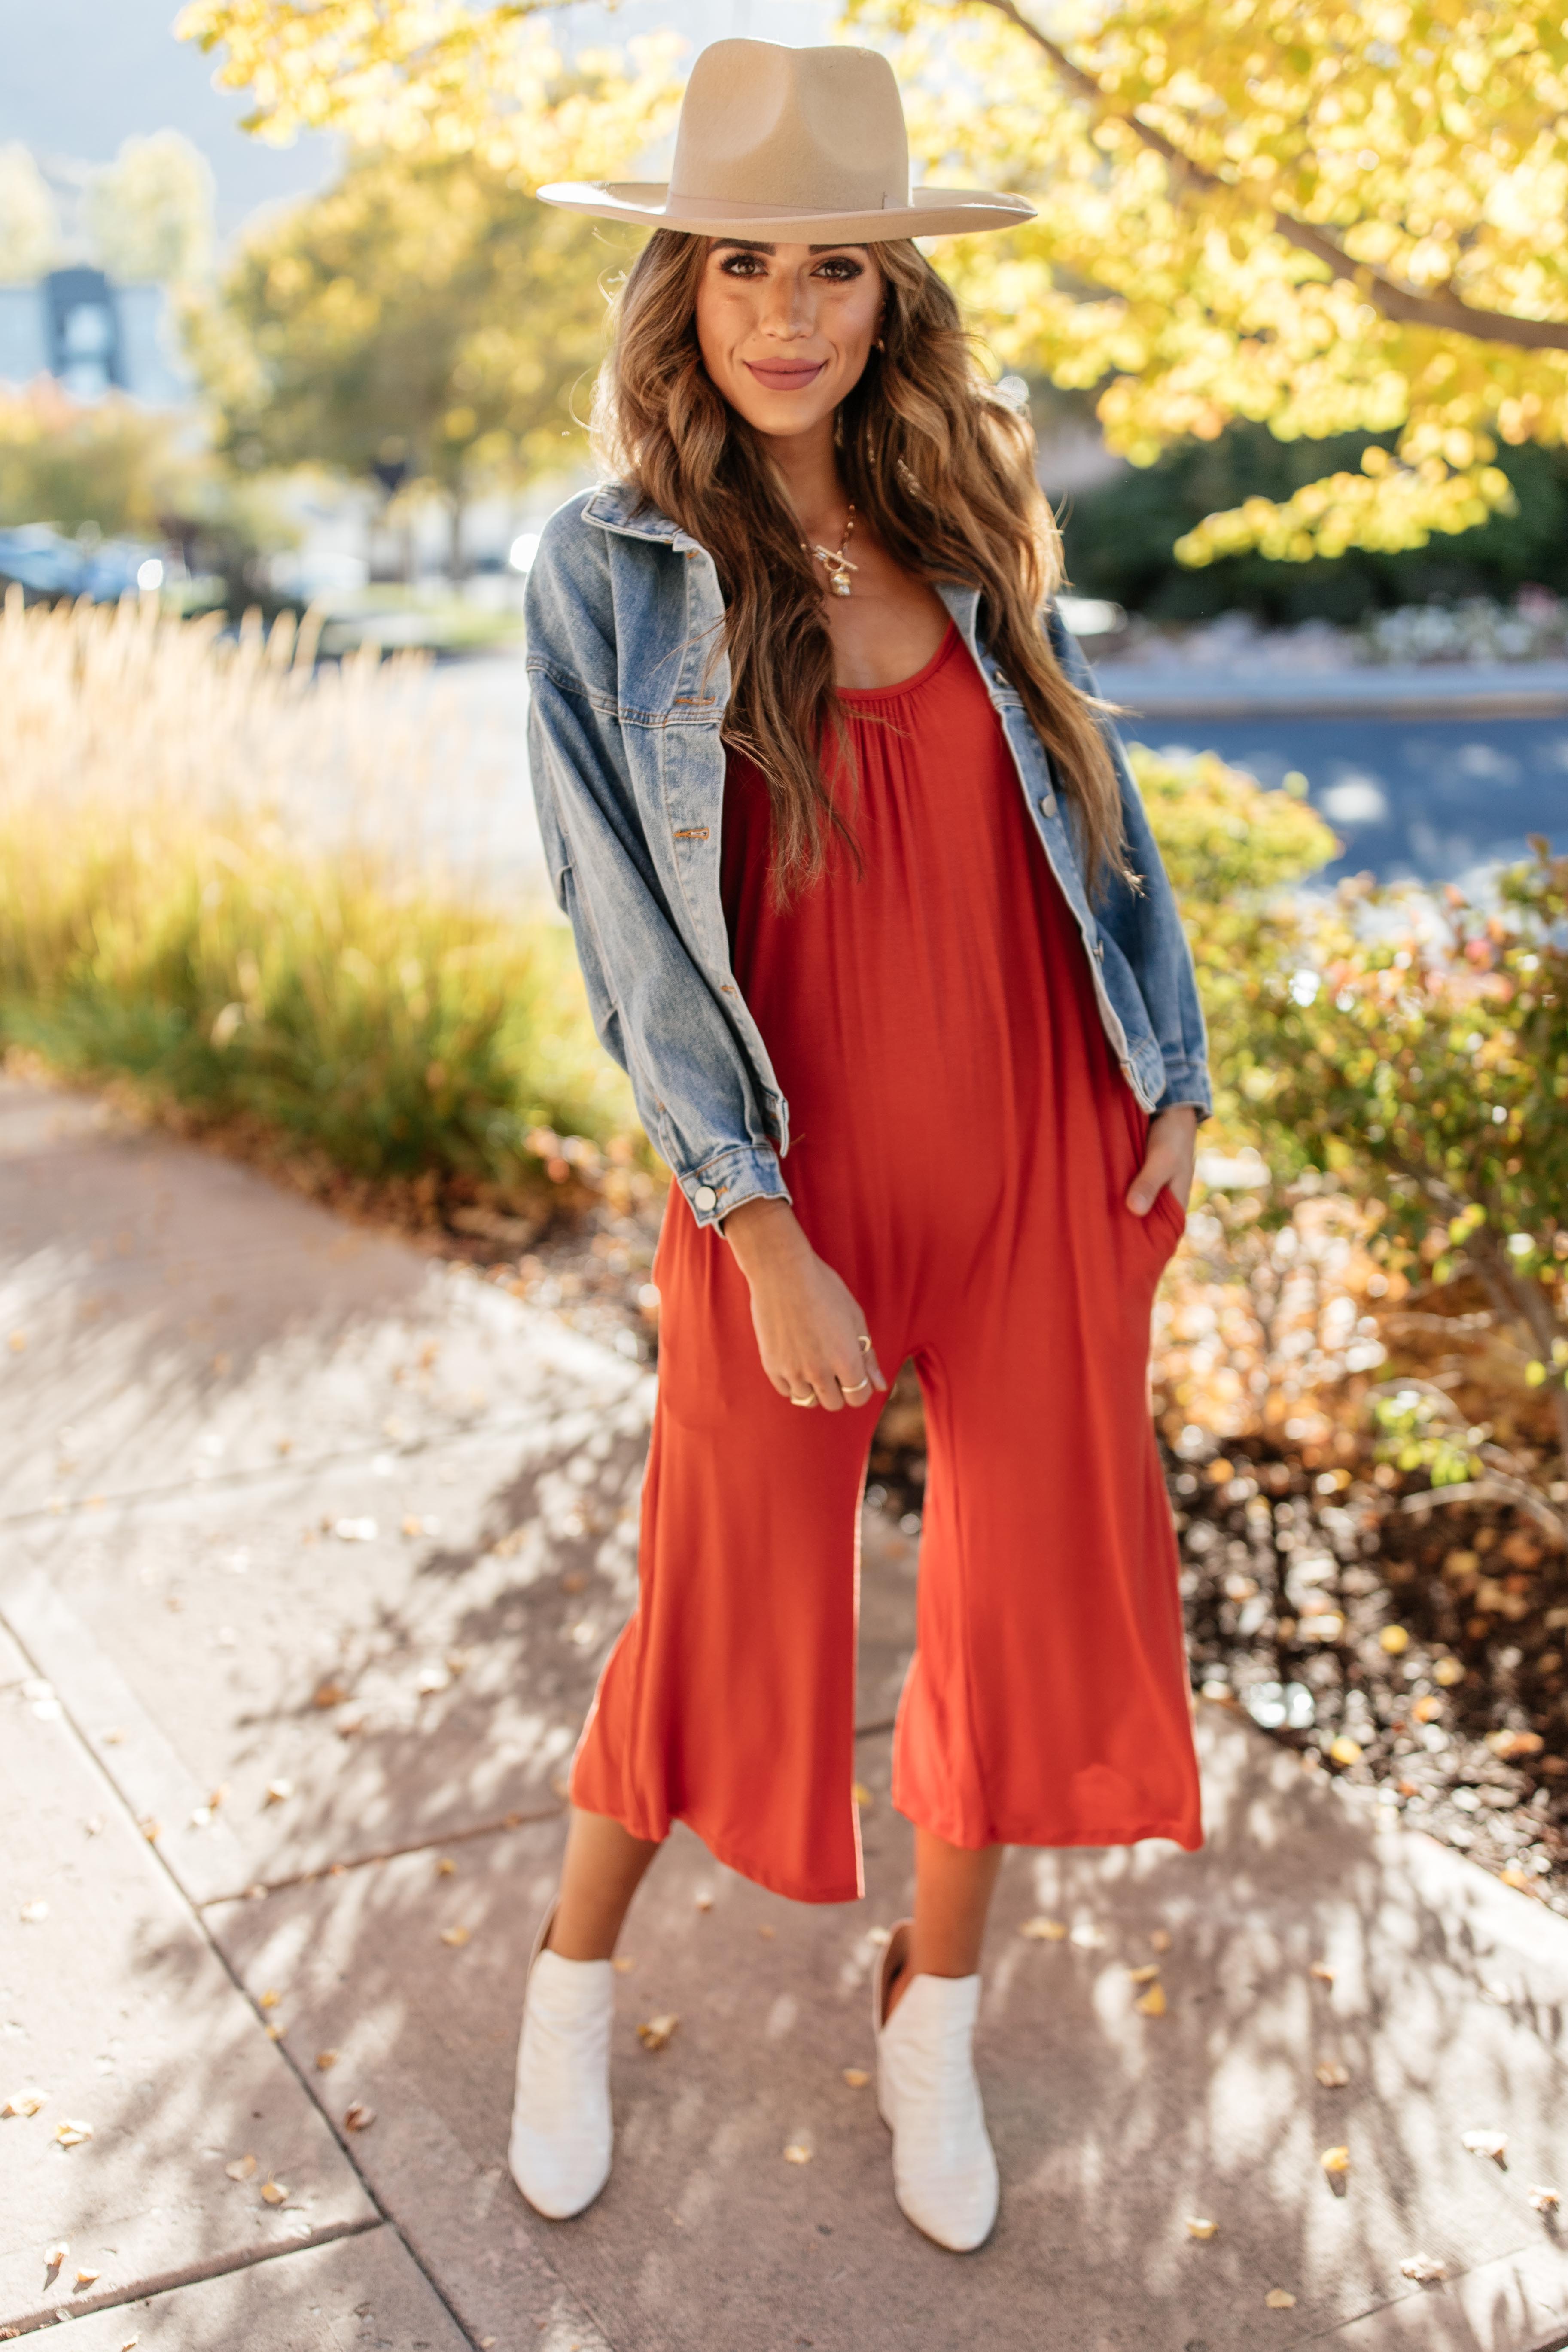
[924,1054]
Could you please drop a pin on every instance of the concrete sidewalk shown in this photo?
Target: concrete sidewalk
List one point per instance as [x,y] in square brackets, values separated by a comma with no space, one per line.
[311,1551]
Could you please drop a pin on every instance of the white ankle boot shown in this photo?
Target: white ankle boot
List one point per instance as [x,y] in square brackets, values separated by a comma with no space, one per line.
[561,2129]
[944,2169]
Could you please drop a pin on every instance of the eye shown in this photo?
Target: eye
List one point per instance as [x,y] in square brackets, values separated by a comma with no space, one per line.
[742,265]
[842,268]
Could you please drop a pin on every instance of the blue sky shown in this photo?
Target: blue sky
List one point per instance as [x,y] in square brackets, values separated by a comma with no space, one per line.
[80,76]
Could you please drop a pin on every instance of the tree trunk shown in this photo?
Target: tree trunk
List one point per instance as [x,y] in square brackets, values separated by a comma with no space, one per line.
[455,536]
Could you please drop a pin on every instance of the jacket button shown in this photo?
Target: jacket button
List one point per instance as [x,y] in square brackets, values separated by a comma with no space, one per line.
[1048,803]
[1100,950]
[705,1197]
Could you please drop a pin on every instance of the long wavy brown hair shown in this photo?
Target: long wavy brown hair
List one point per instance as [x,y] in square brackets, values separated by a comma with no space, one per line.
[939,466]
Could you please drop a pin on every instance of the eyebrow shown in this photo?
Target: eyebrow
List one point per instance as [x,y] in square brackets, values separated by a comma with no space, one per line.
[750,245]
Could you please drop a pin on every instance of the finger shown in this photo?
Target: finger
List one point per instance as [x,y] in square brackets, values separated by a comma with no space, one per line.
[863,1384]
[868,1364]
[1149,1182]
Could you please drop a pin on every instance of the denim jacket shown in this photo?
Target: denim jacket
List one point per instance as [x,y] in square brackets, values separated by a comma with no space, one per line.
[627,696]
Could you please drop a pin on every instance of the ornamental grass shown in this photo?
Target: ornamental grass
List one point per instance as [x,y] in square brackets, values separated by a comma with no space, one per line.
[216,883]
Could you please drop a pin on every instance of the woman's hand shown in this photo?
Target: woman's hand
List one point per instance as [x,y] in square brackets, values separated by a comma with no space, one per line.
[1168,1159]
[808,1326]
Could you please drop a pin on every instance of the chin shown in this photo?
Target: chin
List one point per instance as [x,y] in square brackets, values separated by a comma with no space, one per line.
[782,415]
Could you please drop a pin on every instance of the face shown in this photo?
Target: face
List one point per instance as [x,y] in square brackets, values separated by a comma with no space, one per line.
[785,330]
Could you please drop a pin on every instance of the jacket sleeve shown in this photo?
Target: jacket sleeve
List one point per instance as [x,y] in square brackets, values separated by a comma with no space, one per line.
[654,1010]
[1144,920]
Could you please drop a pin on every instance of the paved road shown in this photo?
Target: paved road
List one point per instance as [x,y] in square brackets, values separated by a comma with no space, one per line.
[309,1552]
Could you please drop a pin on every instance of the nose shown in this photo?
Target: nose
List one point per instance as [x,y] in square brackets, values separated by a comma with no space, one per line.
[788,306]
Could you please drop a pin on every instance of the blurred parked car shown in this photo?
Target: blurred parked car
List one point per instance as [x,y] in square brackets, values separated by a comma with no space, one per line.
[46,563]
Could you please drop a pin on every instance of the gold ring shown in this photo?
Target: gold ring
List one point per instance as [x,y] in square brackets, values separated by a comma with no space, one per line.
[849,1387]
[864,1343]
[810,1399]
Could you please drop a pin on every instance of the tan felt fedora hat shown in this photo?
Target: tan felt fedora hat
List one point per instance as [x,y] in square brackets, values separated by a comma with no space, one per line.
[805,146]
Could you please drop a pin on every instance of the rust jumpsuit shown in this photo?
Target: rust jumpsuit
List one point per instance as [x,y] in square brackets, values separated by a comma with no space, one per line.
[964,1143]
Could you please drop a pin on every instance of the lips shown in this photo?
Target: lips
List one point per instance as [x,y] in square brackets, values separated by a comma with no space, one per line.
[785,375]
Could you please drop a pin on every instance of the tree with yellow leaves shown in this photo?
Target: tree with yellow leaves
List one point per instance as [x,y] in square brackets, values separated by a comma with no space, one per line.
[1323,219]
[440,78]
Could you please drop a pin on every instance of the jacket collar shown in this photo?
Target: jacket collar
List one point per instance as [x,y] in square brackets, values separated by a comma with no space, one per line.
[618,507]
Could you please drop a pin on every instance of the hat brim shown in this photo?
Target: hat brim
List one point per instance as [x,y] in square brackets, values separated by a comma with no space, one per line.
[931,211]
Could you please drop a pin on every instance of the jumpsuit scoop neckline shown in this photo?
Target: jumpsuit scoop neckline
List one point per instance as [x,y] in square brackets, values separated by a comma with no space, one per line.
[963,1141]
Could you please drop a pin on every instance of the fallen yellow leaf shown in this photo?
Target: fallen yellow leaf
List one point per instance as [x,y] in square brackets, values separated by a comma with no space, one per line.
[71,2135]
[33,1915]
[767,1934]
[1146,1974]
[1332,2075]
[1490,2142]
[1279,2299]
[1545,2200]
[622,1964]
[85,2277]
[275,2034]
[329,1694]
[862,1795]
[241,2169]
[18,1341]
[795,2154]
[270,1999]
[1425,2269]
[151,1828]
[358,2116]
[1152,2002]
[1044,1931]
[454,1935]
[1335,2160]
[24,2103]
[1161,1939]
[1321,1971]
[857,2077]
[325,2061]
[278,1792]
[655,2032]
[1514,1746]
[704,1901]
[55,2255]
[1345,1749]
[275,2193]
[1202,2228]
[445,1867]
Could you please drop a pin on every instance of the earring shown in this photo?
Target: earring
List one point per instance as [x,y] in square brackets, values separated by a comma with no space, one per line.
[880,345]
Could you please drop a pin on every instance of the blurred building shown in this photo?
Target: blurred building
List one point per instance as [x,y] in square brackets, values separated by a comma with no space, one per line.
[93,337]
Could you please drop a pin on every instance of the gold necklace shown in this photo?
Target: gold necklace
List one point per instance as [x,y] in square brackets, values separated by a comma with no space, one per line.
[837,563]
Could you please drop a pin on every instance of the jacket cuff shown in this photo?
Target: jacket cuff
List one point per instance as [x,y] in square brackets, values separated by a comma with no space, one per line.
[1186,1083]
[730,1176]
